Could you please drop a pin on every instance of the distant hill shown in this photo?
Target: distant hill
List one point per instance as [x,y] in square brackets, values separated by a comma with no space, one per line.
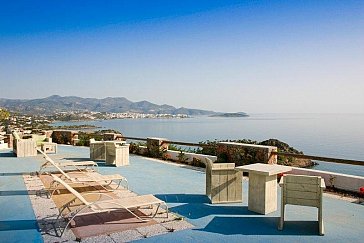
[56,103]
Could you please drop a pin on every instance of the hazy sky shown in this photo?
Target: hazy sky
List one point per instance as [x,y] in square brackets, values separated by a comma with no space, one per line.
[252,56]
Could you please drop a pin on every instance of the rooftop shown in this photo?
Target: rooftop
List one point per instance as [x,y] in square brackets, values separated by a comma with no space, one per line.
[183,188]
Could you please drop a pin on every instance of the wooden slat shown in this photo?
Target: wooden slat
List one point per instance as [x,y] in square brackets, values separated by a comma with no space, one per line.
[327,159]
[223,177]
[303,202]
[217,166]
[215,187]
[301,187]
[300,194]
[223,166]
[238,185]
[221,169]
[231,180]
[313,180]
[208,181]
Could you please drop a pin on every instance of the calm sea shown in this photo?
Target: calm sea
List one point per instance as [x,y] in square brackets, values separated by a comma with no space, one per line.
[327,135]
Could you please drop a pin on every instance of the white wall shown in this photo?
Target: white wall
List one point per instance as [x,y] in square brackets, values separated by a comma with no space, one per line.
[3,145]
[337,180]
[173,155]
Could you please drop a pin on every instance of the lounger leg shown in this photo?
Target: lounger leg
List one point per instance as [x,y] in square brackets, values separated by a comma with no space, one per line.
[165,204]
[281,219]
[321,222]
[127,184]
[156,211]
[54,185]
[143,220]
[42,167]
[118,185]
[59,225]
[73,215]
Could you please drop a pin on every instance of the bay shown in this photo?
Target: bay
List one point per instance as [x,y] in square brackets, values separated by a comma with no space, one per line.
[326,135]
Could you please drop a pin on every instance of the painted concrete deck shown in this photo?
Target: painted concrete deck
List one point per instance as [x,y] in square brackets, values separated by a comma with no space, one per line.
[183,189]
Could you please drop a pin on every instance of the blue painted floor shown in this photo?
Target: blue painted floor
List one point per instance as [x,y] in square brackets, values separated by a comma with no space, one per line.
[17,220]
[183,189]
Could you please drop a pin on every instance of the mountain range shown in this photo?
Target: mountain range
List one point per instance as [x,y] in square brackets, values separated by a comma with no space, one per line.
[56,103]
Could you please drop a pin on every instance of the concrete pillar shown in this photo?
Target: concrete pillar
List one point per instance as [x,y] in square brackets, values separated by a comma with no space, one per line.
[242,154]
[48,133]
[156,146]
[64,136]
[109,136]
[119,137]
[9,139]
[74,139]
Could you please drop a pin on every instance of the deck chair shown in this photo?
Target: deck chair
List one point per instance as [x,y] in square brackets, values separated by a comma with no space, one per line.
[302,190]
[99,206]
[89,177]
[24,147]
[223,182]
[80,165]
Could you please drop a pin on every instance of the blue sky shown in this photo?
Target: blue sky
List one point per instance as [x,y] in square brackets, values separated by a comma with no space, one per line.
[252,56]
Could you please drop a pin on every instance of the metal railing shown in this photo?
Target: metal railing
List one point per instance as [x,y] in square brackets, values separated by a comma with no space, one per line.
[320,158]
[133,138]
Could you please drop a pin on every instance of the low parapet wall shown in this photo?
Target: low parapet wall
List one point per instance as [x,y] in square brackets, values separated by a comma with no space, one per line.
[65,137]
[335,180]
[188,157]
[3,145]
[234,152]
[178,155]
[242,154]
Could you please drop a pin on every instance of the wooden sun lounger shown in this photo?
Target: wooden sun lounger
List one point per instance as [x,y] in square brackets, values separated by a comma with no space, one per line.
[79,165]
[89,177]
[111,204]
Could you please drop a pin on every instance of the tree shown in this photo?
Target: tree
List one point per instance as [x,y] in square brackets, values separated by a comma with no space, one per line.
[4,114]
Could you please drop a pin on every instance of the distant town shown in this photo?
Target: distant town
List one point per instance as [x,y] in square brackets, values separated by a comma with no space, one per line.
[30,122]
[92,115]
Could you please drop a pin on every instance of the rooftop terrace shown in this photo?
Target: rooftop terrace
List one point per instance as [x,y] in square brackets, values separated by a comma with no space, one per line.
[183,188]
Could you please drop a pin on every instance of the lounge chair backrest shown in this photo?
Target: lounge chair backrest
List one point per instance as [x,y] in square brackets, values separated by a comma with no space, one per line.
[40,151]
[58,168]
[70,189]
[54,164]
[302,190]
[100,206]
